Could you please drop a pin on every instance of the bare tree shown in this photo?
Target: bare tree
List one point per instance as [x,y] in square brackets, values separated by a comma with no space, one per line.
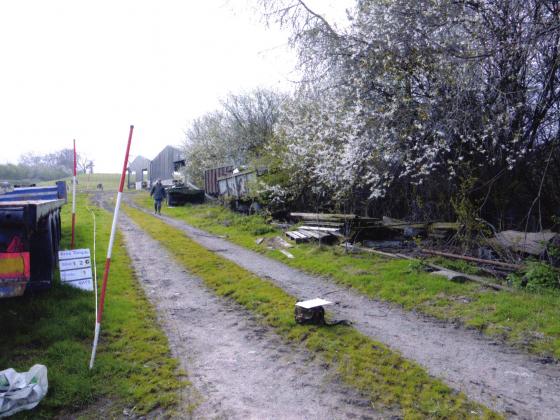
[235,135]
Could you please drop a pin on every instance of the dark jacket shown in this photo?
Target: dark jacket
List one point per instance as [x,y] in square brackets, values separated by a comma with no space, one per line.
[158,192]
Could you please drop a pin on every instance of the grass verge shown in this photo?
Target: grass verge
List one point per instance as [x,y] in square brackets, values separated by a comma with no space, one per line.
[525,320]
[88,182]
[386,377]
[133,367]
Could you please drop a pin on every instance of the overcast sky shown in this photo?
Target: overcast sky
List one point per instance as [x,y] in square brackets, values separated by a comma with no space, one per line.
[89,69]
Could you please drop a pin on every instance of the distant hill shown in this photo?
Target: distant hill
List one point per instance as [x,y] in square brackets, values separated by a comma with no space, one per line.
[88,182]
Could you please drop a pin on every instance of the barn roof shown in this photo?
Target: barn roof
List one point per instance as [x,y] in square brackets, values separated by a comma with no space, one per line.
[139,163]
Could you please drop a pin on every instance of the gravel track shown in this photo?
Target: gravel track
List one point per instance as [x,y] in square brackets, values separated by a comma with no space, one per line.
[241,369]
[502,378]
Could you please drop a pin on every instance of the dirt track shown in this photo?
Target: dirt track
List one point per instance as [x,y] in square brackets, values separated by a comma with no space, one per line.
[498,376]
[240,369]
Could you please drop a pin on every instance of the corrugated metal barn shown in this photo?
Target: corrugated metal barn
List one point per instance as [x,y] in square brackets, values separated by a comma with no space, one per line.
[169,160]
[138,171]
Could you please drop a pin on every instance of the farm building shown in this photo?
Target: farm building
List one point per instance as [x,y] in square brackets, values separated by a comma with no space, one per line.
[211,177]
[138,172]
[169,160]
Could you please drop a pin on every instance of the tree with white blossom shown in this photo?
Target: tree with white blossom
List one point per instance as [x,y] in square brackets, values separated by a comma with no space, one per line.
[422,96]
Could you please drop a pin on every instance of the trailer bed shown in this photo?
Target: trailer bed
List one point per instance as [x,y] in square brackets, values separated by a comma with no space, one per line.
[28,212]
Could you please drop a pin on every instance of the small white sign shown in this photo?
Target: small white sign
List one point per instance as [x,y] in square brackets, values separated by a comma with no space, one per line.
[86,285]
[72,275]
[73,253]
[313,303]
[74,264]
[75,268]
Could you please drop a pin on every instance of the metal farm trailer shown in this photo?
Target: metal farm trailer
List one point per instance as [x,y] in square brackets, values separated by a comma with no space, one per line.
[30,233]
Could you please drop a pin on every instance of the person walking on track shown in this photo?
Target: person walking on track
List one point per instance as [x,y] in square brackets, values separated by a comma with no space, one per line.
[158,192]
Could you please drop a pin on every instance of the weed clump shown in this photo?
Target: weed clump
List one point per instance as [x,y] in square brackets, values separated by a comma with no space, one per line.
[537,277]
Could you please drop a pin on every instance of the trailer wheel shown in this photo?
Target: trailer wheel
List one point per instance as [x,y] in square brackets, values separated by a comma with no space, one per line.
[54,238]
[42,256]
[58,226]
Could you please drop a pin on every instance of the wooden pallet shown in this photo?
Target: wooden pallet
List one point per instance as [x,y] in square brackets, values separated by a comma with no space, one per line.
[306,234]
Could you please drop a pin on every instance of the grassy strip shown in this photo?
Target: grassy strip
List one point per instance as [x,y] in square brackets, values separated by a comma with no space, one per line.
[526,320]
[55,328]
[385,376]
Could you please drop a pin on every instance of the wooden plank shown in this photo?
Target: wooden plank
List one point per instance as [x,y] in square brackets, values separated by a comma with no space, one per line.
[286,253]
[477,279]
[473,259]
[293,236]
[389,222]
[316,234]
[445,226]
[401,224]
[282,242]
[309,233]
[323,216]
[296,236]
[437,235]
[337,234]
[323,223]
[319,228]
[323,235]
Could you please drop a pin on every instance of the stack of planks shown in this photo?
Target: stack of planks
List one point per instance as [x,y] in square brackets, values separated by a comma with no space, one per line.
[434,230]
[348,225]
[313,233]
[329,226]
[321,226]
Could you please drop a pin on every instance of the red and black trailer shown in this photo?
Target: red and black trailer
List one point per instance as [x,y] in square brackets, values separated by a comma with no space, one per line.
[30,233]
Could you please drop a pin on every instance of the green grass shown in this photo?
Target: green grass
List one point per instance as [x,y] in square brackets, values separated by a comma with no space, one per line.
[88,182]
[526,320]
[387,378]
[134,367]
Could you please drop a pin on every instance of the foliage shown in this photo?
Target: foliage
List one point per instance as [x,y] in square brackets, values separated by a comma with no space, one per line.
[33,167]
[234,135]
[24,173]
[537,277]
[401,104]
[423,93]
[62,159]
[467,213]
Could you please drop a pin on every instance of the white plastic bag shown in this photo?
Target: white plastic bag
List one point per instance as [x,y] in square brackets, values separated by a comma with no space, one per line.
[22,391]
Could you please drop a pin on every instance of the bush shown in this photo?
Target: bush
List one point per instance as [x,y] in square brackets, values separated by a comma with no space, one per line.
[537,277]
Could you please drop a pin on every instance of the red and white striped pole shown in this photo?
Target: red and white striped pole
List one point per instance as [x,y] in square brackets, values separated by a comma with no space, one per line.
[73,199]
[109,249]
